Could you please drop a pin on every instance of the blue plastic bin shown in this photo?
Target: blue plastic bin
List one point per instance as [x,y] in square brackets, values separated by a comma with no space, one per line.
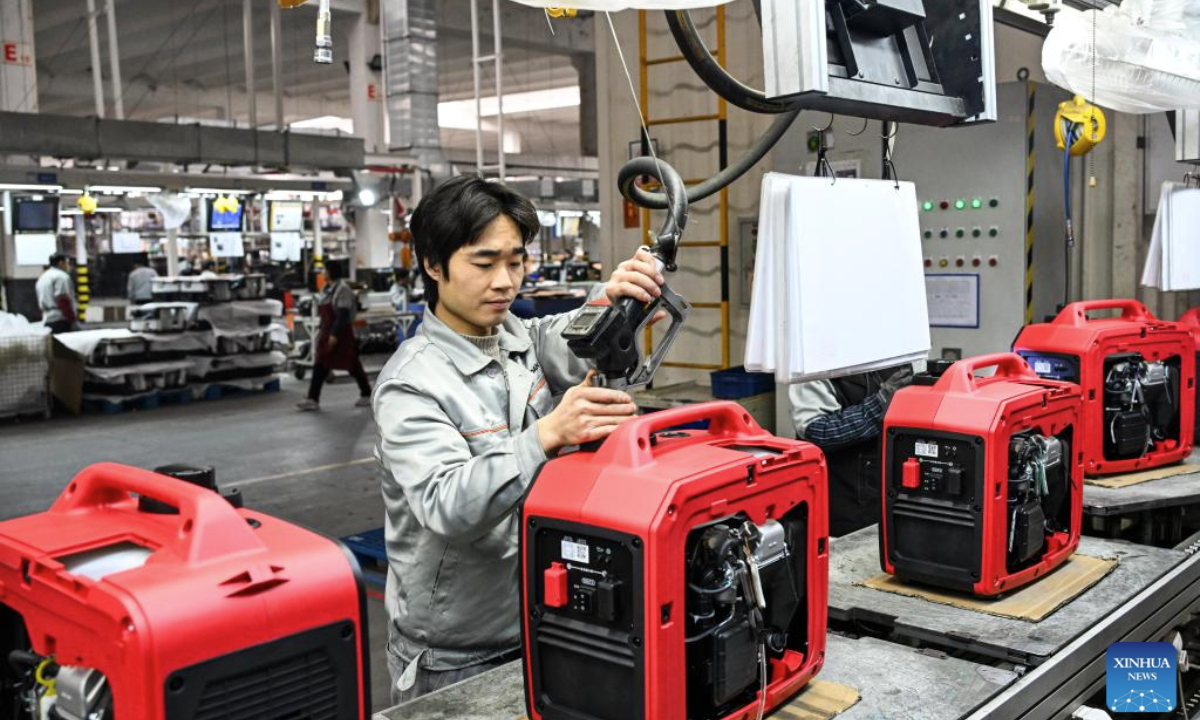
[736,383]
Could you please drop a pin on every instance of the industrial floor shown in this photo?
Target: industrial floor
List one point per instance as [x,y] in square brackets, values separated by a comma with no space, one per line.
[315,469]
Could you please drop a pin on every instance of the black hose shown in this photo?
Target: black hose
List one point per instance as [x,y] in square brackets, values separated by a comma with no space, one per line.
[695,51]
[22,659]
[715,628]
[658,201]
[676,199]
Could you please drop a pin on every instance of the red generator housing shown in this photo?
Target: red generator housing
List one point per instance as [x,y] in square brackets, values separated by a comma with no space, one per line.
[1191,321]
[175,605]
[983,483]
[1138,376]
[675,574]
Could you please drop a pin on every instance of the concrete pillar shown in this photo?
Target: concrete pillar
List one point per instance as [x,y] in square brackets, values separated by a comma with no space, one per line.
[18,75]
[318,239]
[18,93]
[371,247]
[589,112]
[277,65]
[366,85]
[1127,194]
[173,252]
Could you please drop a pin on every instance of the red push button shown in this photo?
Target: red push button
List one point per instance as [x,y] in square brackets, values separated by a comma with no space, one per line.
[911,475]
[556,585]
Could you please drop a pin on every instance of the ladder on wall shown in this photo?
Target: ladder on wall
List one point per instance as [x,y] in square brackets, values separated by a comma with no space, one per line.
[477,62]
[722,242]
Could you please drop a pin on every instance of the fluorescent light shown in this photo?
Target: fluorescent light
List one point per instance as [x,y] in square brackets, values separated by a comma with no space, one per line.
[21,186]
[326,122]
[367,197]
[217,191]
[121,189]
[515,103]
[303,195]
[97,210]
[70,192]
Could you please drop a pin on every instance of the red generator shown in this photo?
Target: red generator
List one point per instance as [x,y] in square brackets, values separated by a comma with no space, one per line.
[1138,376]
[675,574]
[1191,321]
[983,483]
[175,605]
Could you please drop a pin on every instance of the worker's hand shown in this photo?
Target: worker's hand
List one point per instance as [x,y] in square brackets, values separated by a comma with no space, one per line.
[585,414]
[332,342]
[900,379]
[637,278]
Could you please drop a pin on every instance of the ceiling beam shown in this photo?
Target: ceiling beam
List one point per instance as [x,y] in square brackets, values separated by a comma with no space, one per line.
[71,95]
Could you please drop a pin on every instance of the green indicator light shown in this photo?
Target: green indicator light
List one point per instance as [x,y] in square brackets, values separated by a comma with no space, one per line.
[994,202]
[994,232]
[927,205]
[977,203]
[959,204]
[959,232]
[976,232]
[928,233]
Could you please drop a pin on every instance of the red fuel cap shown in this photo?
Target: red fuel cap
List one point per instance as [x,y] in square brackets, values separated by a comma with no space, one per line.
[556,585]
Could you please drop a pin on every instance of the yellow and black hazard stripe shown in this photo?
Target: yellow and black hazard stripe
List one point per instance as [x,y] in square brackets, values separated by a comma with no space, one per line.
[82,289]
[1030,162]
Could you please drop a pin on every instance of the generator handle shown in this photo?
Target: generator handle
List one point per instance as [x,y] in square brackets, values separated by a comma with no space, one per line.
[1077,313]
[209,527]
[961,375]
[630,446]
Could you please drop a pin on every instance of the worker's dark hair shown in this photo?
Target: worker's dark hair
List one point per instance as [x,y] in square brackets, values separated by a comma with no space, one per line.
[57,259]
[456,214]
[335,271]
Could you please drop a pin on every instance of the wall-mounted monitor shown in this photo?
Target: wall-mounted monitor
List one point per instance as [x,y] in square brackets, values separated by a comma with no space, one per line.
[228,221]
[31,215]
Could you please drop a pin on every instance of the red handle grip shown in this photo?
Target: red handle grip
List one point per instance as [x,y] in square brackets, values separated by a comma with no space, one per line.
[961,375]
[629,445]
[1076,313]
[1191,318]
[209,527]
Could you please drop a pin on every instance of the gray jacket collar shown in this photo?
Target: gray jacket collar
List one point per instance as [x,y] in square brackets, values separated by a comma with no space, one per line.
[514,338]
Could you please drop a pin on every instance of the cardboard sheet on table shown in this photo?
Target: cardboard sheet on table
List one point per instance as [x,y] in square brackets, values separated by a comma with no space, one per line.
[819,700]
[1137,478]
[1032,603]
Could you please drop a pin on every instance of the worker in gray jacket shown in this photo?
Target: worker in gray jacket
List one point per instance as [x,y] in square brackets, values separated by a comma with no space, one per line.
[56,296]
[467,411]
[140,284]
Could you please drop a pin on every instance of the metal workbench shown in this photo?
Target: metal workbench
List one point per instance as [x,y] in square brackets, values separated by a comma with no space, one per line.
[854,559]
[1157,512]
[1167,492]
[931,686]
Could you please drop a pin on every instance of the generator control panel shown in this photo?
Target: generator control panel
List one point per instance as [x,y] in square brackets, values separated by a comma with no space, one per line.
[585,577]
[933,466]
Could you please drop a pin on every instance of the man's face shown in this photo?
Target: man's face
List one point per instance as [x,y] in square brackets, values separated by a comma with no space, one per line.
[483,279]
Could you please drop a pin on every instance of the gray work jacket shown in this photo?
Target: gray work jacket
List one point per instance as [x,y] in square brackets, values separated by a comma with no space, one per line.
[459,447]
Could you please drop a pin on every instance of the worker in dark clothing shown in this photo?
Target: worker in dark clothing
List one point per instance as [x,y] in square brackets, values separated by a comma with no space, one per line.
[844,417]
[334,346]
